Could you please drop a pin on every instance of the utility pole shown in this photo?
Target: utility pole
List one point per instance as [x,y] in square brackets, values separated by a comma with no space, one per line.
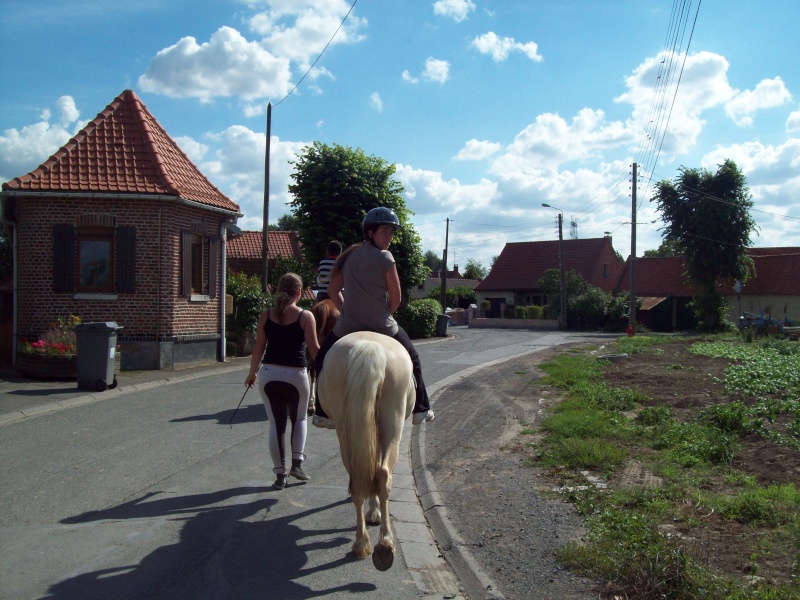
[632,290]
[562,314]
[562,317]
[443,291]
[265,227]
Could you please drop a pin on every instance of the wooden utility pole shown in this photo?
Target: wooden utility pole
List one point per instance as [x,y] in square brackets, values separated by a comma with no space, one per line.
[562,316]
[632,291]
[265,227]
[443,291]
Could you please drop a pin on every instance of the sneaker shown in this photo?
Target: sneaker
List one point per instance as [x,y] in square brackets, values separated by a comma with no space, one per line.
[323,422]
[423,417]
[298,473]
[280,482]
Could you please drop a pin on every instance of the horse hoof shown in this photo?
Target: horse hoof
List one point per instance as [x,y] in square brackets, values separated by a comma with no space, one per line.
[383,557]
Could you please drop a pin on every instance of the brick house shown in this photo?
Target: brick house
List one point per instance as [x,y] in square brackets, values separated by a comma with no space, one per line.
[665,291]
[513,280]
[119,225]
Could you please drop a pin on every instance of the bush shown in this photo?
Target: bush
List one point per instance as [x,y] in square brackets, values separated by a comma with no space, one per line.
[248,303]
[519,312]
[534,312]
[456,297]
[419,317]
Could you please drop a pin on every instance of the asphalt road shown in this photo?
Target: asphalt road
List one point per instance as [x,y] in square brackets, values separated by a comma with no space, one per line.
[149,493]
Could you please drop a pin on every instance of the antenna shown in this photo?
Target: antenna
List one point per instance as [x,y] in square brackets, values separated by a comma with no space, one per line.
[573,229]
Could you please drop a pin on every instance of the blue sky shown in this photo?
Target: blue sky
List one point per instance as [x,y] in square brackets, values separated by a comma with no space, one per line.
[489,108]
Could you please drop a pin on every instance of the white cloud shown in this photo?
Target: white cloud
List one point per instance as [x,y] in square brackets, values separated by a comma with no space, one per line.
[500,48]
[703,85]
[195,150]
[769,93]
[477,150]
[428,192]
[407,77]
[436,70]
[453,9]
[375,101]
[21,151]
[227,65]
[793,122]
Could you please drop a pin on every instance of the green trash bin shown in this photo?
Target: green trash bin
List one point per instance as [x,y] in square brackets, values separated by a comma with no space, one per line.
[97,346]
[441,325]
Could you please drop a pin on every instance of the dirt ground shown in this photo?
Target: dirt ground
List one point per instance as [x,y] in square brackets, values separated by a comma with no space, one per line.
[509,513]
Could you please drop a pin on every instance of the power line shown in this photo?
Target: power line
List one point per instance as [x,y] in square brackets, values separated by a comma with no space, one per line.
[352,6]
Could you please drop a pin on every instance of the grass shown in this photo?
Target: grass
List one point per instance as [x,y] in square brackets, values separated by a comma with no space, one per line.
[627,547]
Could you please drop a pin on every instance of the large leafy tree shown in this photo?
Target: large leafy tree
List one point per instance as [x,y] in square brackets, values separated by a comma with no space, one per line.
[475,270]
[334,187]
[432,261]
[707,217]
[667,249]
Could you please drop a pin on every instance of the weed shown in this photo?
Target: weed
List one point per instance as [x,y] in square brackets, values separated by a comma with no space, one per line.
[655,415]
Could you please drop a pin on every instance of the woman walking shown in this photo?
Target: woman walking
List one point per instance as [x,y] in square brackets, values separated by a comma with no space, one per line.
[280,366]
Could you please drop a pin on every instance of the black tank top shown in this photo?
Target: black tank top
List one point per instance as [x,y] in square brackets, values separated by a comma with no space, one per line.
[286,344]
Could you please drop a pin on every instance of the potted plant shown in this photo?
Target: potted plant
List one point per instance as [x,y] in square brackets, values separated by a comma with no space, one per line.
[53,355]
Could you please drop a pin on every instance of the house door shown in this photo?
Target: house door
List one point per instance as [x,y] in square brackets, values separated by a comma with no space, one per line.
[495,307]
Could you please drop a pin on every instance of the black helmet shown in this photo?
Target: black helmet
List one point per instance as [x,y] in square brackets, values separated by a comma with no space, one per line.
[380,216]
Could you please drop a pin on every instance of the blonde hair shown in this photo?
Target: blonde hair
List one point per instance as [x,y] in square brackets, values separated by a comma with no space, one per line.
[288,286]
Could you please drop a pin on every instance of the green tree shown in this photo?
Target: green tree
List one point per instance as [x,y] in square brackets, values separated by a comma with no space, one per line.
[707,216]
[285,223]
[550,284]
[475,270]
[334,187]
[432,261]
[667,249]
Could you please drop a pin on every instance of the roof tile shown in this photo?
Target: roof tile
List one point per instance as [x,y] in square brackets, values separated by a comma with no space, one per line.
[248,245]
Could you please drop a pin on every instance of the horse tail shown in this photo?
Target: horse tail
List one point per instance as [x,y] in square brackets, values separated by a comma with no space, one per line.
[365,375]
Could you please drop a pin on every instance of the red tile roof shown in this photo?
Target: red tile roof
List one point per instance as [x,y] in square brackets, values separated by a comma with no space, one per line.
[248,245]
[521,264]
[777,274]
[123,150]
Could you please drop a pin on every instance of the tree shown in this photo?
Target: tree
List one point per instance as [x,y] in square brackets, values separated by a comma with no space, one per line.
[432,261]
[707,217]
[285,223]
[334,187]
[550,284]
[667,249]
[475,270]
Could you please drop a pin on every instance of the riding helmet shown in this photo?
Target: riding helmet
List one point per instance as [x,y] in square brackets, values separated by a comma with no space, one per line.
[380,216]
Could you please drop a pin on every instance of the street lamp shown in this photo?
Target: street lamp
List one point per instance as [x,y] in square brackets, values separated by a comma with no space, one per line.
[562,315]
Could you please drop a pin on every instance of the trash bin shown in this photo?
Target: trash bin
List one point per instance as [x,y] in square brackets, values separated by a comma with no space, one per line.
[441,325]
[97,345]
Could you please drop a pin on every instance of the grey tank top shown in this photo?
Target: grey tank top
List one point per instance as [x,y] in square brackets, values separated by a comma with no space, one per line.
[366,300]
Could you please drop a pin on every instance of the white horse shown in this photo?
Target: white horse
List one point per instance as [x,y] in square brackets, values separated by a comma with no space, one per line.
[367,387]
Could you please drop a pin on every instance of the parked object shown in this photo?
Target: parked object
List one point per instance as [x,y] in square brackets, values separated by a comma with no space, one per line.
[97,347]
[441,325]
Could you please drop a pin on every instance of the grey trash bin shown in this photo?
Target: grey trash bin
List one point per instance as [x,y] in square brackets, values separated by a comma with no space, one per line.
[441,325]
[97,345]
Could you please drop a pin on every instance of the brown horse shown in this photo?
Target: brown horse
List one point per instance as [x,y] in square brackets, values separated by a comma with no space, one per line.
[325,314]
[368,389]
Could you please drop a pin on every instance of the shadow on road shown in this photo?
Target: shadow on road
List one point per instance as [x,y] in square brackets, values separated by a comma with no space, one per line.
[225,551]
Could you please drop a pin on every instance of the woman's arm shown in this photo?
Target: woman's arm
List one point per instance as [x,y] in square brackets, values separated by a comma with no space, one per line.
[393,287]
[309,325]
[335,289]
[258,349]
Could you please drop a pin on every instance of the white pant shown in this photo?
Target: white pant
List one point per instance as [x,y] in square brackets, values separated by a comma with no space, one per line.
[285,392]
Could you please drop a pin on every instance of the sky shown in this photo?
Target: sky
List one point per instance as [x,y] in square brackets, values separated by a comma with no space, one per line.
[488,108]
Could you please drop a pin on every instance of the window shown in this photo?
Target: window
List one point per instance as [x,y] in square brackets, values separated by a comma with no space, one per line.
[95,261]
[605,271]
[96,257]
[199,263]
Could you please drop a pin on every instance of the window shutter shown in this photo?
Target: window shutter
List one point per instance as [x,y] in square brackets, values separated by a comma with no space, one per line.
[213,262]
[186,263]
[63,258]
[126,260]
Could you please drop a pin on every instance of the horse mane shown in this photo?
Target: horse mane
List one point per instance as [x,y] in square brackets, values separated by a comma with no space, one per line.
[364,381]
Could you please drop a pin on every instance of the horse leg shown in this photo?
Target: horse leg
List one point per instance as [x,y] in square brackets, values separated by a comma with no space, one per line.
[362,547]
[383,557]
[373,514]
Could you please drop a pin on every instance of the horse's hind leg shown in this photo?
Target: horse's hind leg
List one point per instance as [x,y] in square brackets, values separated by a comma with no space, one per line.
[383,556]
[373,510]
[362,547]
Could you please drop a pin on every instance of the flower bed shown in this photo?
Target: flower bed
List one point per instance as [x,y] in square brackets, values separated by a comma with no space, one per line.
[47,366]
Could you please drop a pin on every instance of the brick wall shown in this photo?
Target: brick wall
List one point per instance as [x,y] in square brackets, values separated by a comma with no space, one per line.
[156,310]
